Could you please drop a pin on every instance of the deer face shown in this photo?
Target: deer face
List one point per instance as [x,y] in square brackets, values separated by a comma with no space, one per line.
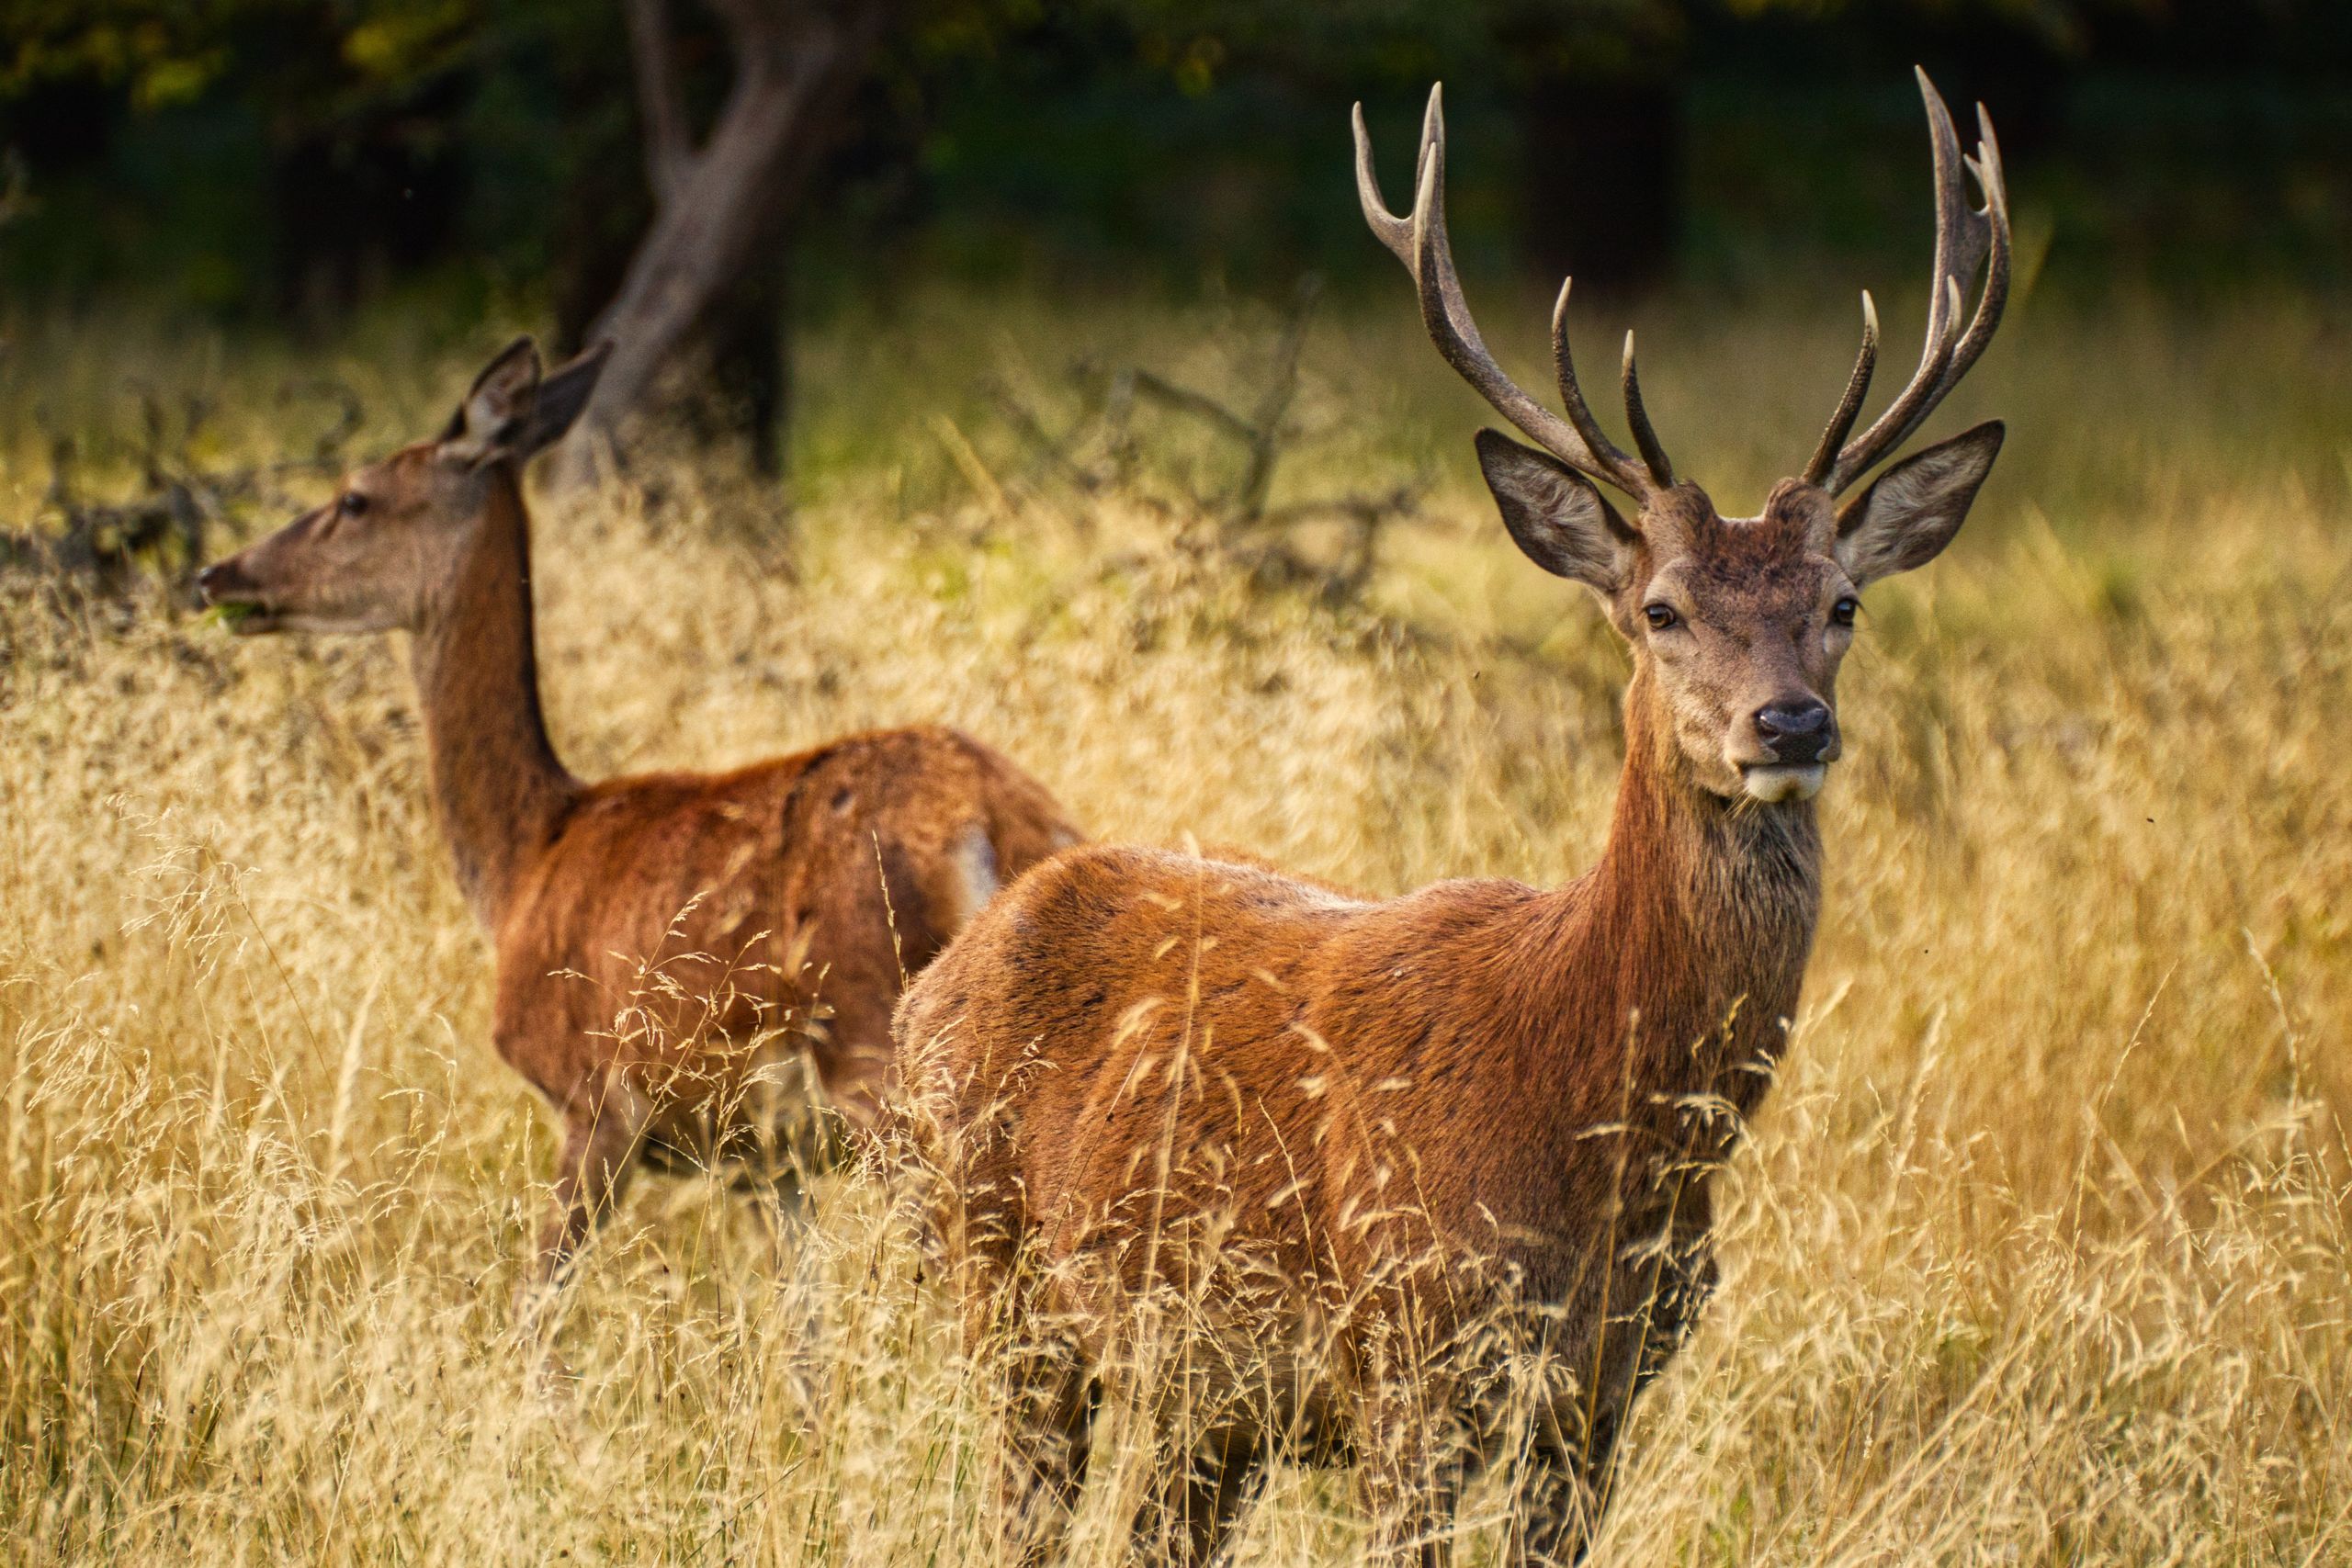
[1737,626]
[1741,627]
[377,558]
[386,553]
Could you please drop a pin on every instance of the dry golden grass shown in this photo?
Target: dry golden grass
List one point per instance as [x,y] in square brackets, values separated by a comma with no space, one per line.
[2037,1253]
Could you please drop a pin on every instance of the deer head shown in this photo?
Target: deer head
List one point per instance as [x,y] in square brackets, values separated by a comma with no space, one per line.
[386,553]
[1737,624]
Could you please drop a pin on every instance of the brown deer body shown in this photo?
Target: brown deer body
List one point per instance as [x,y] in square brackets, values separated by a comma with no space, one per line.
[1362,1134]
[671,946]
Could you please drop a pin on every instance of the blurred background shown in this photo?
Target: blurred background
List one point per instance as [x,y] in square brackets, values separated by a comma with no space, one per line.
[710,179]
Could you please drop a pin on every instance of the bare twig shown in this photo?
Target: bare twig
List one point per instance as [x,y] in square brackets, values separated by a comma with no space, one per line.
[1159,389]
[1265,446]
[1096,452]
[101,546]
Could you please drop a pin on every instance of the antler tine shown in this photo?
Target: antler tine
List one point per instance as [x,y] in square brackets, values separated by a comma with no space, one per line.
[1645,436]
[1446,316]
[1966,239]
[1986,168]
[1395,232]
[1614,459]
[1421,243]
[1912,406]
[1857,387]
[1960,240]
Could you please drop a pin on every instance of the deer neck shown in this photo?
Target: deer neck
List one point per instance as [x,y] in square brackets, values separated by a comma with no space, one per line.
[497,785]
[1688,943]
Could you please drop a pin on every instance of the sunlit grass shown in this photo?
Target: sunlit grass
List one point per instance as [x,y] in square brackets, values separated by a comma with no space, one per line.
[2037,1253]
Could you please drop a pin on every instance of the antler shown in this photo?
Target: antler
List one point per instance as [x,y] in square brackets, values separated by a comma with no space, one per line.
[1421,243]
[1966,239]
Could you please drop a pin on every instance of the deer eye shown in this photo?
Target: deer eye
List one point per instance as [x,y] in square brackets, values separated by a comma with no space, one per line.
[1844,610]
[350,503]
[1661,616]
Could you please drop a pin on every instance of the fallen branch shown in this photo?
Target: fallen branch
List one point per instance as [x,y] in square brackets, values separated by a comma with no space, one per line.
[102,547]
[1095,453]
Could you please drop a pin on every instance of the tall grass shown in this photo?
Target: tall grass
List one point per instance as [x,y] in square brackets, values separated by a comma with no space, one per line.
[2038,1252]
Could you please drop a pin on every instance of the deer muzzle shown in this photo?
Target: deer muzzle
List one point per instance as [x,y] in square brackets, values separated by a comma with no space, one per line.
[1798,738]
[228,587]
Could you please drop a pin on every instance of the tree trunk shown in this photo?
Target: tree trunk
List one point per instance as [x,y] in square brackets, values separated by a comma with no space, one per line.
[794,64]
[751,353]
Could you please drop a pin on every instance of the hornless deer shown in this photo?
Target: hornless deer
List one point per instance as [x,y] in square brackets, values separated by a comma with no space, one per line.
[1354,1135]
[783,902]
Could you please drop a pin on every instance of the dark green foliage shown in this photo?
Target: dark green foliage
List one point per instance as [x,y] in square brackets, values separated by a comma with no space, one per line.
[284,159]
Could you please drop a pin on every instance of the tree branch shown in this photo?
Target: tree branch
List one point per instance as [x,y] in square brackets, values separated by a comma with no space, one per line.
[796,65]
[668,147]
[762,32]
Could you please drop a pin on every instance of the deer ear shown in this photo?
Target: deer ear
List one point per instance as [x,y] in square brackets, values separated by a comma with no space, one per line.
[562,396]
[1557,518]
[1911,511]
[496,407]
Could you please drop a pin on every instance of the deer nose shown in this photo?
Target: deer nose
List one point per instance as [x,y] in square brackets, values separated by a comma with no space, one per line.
[1798,732]
[220,577]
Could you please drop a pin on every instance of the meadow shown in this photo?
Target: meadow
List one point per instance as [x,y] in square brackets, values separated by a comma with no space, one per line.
[2040,1251]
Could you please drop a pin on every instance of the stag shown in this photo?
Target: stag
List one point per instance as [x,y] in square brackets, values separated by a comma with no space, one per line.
[1352,1135]
[673,949]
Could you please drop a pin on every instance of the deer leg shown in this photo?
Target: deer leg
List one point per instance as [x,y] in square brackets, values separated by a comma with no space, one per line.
[803,1142]
[1560,1505]
[1041,1466]
[599,1152]
[1406,1487]
[852,1057]
[1191,1509]
[1572,1471]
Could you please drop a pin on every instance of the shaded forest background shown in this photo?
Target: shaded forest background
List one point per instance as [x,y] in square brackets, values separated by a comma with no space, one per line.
[284,165]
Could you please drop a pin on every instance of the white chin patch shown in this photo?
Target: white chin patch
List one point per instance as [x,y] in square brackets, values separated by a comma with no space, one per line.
[1776,783]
